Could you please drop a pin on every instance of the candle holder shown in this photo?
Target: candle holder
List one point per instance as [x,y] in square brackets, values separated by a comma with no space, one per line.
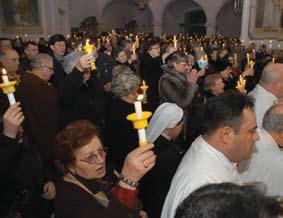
[140,124]
[9,89]
[89,49]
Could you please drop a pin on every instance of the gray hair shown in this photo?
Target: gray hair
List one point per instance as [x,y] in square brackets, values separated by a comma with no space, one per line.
[124,82]
[70,61]
[40,60]
[273,118]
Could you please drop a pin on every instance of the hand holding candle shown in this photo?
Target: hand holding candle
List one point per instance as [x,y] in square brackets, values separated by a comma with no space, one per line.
[139,119]
[89,49]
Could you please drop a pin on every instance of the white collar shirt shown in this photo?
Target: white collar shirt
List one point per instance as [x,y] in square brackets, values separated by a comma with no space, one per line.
[201,165]
[265,165]
[263,101]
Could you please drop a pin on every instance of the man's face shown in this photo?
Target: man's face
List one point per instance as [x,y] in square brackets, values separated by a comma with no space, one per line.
[59,48]
[31,51]
[10,61]
[243,141]
[5,45]
[279,85]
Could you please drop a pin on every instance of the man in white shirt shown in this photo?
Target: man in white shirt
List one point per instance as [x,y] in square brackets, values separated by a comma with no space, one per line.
[229,137]
[266,164]
[268,90]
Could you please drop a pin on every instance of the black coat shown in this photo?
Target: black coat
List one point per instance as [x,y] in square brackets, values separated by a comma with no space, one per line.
[120,136]
[104,64]
[156,183]
[59,73]
[23,174]
[150,70]
[80,100]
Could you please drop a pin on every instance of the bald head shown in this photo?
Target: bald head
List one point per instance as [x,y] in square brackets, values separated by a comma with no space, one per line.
[10,60]
[272,79]
[273,119]
[270,73]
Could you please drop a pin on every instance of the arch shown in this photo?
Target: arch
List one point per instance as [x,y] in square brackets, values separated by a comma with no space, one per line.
[227,23]
[173,16]
[112,16]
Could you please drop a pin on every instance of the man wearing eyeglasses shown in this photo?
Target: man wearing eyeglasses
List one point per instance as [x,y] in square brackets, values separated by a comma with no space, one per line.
[39,100]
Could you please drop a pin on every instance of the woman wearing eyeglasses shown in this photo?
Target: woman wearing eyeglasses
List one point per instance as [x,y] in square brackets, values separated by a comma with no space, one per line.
[89,188]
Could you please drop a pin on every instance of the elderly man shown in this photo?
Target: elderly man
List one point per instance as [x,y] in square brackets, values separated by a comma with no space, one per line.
[40,104]
[10,60]
[5,44]
[268,90]
[266,164]
[228,137]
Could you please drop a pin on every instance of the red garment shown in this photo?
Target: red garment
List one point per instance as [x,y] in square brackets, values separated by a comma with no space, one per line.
[126,196]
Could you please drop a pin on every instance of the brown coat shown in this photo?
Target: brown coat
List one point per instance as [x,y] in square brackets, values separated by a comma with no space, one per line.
[39,101]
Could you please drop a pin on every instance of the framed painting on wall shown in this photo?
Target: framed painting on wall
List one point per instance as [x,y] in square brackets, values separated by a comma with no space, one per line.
[266,19]
[21,16]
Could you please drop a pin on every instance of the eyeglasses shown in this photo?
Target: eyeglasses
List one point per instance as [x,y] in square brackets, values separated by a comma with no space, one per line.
[93,157]
[50,68]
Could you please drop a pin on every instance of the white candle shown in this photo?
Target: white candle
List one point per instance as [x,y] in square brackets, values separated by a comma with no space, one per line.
[6,81]
[142,135]
[138,109]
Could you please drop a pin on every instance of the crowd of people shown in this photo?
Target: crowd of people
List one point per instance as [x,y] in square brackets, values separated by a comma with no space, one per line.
[68,151]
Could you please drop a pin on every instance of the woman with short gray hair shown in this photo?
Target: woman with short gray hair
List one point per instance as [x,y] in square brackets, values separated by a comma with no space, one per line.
[124,83]
[121,137]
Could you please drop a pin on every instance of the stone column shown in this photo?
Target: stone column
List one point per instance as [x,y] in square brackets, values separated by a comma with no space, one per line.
[210,28]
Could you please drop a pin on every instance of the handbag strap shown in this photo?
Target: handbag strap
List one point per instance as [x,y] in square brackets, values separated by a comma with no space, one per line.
[100,196]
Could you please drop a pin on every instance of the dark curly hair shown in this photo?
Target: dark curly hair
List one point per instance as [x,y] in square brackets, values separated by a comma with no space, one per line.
[72,137]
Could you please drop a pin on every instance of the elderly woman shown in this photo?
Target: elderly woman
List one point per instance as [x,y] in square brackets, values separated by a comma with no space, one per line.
[165,125]
[213,85]
[80,95]
[121,137]
[89,187]
[177,85]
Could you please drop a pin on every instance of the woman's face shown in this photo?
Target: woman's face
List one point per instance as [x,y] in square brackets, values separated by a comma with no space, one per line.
[122,57]
[218,87]
[90,160]
[181,67]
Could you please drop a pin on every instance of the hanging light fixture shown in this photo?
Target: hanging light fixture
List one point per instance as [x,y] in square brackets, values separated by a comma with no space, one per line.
[238,7]
[141,3]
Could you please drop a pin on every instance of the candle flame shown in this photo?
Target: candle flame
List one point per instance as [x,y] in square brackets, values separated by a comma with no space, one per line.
[4,71]
[140,97]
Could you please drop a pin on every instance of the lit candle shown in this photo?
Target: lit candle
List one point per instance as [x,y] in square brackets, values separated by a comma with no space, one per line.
[6,81]
[248,58]
[175,41]
[138,106]
[235,58]
[134,48]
